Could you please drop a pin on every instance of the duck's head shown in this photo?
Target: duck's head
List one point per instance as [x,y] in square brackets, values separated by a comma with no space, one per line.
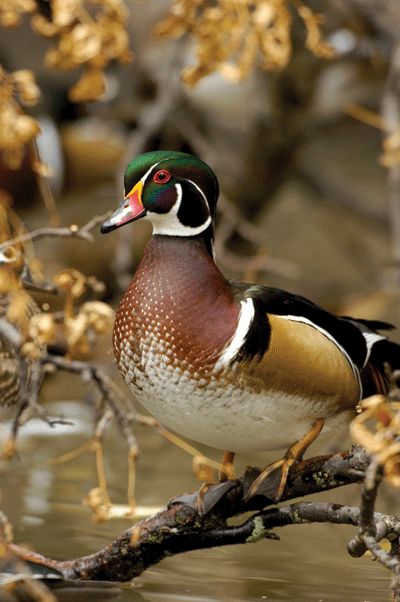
[175,191]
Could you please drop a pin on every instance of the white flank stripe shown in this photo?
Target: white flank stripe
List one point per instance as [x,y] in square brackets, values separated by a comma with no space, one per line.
[331,338]
[370,337]
[246,317]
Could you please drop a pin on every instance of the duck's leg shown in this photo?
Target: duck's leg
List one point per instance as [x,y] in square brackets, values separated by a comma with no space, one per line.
[227,472]
[210,493]
[272,480]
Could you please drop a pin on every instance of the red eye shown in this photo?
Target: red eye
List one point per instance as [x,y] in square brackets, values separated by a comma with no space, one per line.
[161,176]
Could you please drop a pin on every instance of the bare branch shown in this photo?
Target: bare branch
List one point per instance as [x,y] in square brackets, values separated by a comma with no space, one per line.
[65,232]
[178,528]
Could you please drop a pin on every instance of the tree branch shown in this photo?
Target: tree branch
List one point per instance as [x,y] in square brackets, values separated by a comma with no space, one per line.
[178,528]
[68,231]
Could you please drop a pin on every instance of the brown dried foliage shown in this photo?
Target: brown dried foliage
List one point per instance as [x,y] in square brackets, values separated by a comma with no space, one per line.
[11,11]
[77,326]
[90,33]
[16,129]
[232,36]
[377,430]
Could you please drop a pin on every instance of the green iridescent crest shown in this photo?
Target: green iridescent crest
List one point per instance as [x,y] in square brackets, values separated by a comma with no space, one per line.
[182,166]
[176,191]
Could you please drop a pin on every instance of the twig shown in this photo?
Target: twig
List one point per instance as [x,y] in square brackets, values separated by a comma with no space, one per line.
[43,184]
[9,333]
[113,396]
[71,231]
[373,527]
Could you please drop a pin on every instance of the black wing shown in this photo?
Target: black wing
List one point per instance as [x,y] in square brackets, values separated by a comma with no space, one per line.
[268,300]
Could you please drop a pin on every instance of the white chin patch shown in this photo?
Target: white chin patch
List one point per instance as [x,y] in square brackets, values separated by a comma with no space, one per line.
[168,224]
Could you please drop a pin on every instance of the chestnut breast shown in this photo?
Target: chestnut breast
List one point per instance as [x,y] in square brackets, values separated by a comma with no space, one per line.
[176,311]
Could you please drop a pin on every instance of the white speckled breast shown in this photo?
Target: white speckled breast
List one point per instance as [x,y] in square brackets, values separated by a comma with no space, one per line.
[171,328]
[216,412]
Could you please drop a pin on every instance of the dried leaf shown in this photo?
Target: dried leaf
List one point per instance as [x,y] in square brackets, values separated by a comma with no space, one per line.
[380,439]
[13,158]
[71,281]
[11,11]
[91,33]
[233,37]
[64,12]
[315,40]
[42,328]
[90,86]
[172,26]
[16,129]
[99,315]
[43,26]
[27,89]
[82,325]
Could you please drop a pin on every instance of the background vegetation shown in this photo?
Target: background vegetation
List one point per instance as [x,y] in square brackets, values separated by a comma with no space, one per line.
[295,105]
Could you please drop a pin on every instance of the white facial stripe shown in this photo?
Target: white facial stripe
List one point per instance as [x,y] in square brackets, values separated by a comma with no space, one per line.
[353,367]
[246,317]
[148,172]
[201,192]
[144,178]
[169,224]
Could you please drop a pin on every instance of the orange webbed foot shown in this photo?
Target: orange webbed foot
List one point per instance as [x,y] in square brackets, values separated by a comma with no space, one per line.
[272,480]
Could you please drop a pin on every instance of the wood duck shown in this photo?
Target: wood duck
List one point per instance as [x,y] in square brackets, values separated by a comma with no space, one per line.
[235,366]
[17,308]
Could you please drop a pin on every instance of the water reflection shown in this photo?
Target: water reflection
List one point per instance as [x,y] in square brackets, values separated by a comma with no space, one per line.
[43,501]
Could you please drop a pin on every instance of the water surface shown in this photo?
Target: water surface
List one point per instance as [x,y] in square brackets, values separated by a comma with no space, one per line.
[44,502]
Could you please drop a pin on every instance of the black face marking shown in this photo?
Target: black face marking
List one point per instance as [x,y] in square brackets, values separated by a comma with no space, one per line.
[208,185]
[162,201]
[193,211]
